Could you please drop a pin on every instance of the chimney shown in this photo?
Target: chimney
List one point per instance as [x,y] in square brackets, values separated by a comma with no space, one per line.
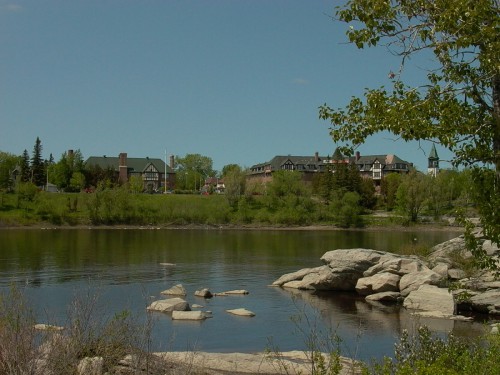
[172,164]
[70,153]
[316,156]
[122,168]
[358,155]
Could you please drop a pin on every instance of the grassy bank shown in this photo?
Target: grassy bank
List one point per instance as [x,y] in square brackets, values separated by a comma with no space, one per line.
[120,207]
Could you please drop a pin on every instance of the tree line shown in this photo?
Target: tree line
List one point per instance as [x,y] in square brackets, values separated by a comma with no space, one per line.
[339,195]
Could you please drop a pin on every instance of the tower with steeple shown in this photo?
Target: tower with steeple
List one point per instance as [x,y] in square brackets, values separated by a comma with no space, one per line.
[433,166]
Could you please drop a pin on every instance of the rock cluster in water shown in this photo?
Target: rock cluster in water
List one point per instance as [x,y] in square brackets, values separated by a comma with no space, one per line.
[181,310]
[421,286]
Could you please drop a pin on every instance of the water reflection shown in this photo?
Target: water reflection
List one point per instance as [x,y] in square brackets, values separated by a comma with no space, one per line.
[124,267]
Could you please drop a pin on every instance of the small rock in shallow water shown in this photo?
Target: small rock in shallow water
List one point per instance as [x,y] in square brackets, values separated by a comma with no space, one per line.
[241,312]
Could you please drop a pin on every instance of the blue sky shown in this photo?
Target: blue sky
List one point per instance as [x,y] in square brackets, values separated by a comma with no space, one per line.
[238,81]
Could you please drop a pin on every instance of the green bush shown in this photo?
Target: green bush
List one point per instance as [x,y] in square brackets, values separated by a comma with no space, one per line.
[425,354]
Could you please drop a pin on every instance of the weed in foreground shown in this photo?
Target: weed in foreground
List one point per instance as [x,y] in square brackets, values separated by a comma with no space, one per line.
[91,342]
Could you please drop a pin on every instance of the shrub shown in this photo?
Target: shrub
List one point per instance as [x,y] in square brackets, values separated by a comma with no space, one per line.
[424,354]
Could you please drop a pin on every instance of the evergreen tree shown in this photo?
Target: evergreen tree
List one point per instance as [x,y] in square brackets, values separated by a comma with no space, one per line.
[37,164]
[25,167]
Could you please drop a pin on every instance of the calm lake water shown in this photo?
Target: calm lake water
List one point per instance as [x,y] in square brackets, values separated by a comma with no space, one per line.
[123,267]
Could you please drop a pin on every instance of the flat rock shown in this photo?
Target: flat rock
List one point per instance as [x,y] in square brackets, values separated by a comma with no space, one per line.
[169,305]
[241,312]
[190,315]
[237,291]
[431,298]
[176,290]
[292,362]
[47,327]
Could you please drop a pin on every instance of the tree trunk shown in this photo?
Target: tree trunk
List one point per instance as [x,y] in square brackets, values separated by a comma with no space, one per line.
[496,123]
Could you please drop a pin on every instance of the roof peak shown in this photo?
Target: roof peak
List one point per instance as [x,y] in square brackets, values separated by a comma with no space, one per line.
[433,154]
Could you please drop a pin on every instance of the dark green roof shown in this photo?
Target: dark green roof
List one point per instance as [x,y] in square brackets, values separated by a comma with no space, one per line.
[433,155]
[388,161]
[133,164]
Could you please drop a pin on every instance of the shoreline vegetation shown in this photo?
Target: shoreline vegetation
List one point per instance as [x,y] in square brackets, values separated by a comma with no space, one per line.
[119,209]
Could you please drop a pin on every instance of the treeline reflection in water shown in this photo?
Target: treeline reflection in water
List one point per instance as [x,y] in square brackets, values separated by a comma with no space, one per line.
[124,267]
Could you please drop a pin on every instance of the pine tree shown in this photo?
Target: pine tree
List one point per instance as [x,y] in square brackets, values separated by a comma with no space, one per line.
[25,167]
[37,164]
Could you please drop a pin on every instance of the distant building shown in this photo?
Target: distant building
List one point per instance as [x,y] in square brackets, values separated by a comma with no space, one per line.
[433,159]
[150,170]
[374,167]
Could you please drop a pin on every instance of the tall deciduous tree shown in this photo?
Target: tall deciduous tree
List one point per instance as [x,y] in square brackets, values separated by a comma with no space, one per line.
[234,182]
[67,173]
[458,103]
[193,169]
[8,164]
[411,194]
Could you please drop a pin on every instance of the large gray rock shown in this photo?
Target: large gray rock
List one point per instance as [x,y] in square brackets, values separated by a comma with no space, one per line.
[441,253]
[169,305]
[342,270]
[381,282]
[487,302]
[395,264]
[354,261]
[345,267]
[319,278]
[413,281]
[430,298]
[297,275]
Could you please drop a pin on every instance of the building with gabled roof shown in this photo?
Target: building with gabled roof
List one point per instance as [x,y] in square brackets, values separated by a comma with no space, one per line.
[374,167]
[154,172]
